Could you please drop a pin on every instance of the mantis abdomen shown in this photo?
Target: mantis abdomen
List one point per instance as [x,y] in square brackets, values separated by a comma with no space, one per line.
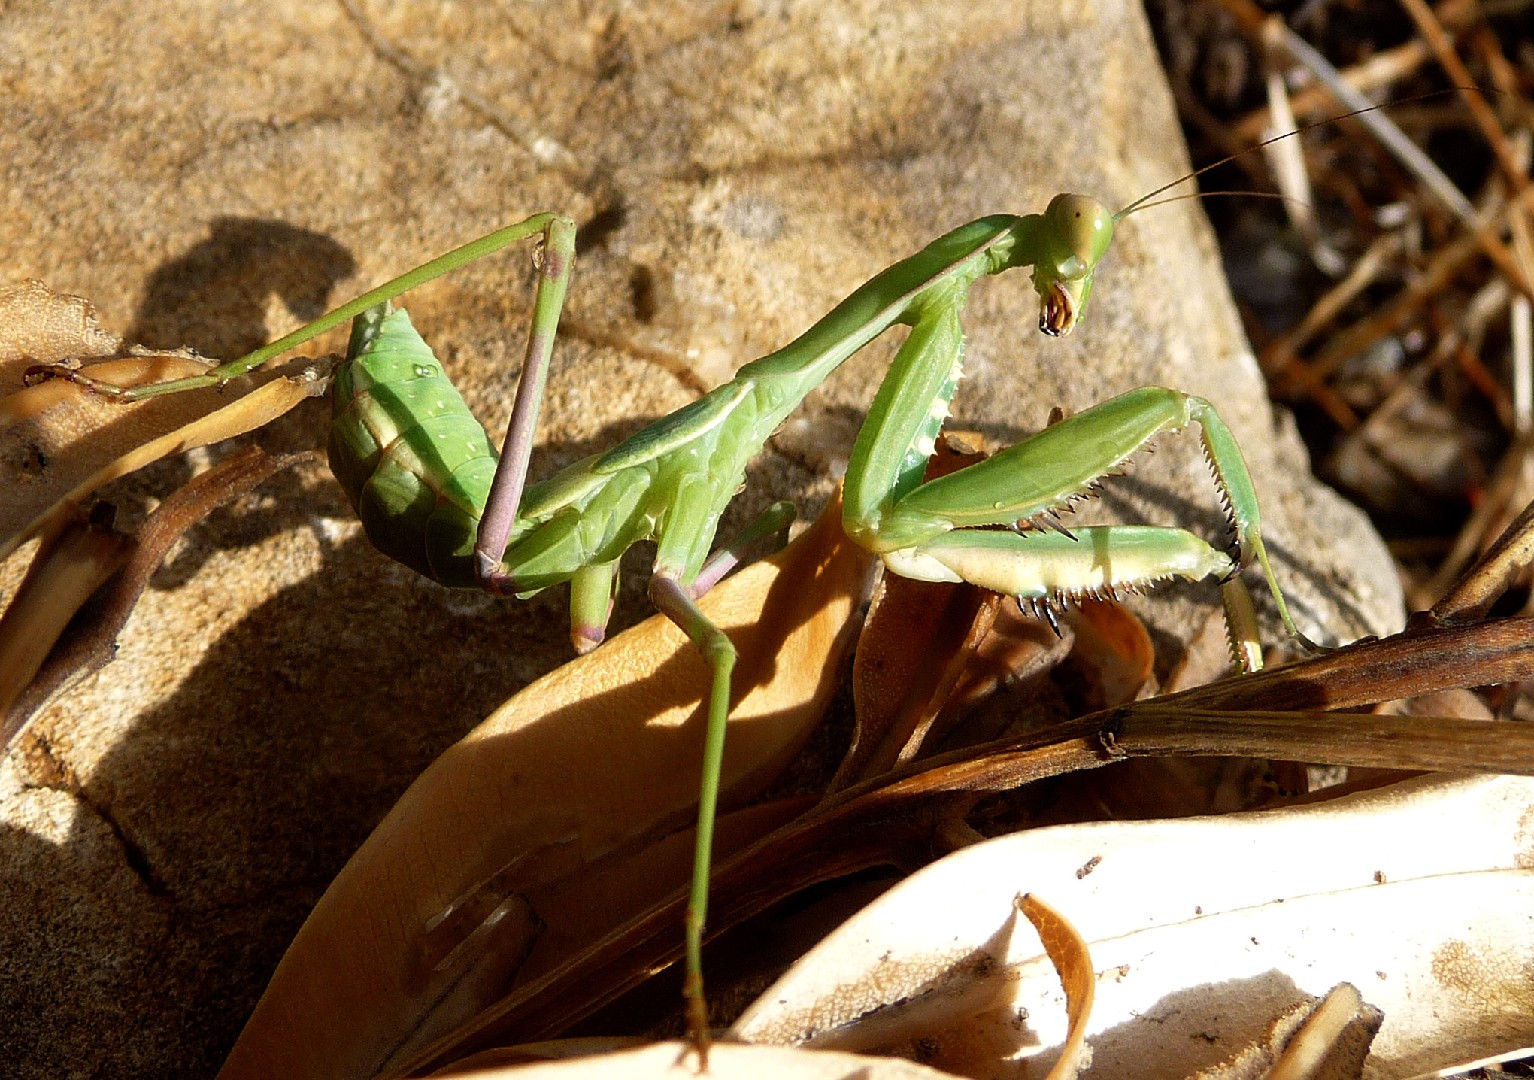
[410,455]
[418,467]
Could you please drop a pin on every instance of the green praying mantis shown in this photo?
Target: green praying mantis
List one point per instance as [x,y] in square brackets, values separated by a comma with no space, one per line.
[433,493]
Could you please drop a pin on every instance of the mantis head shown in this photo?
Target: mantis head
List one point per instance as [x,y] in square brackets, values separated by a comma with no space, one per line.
[1075,233]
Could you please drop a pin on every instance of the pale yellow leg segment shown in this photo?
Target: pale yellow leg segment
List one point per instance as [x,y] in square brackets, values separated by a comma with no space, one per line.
[1091,562]
[1241,626]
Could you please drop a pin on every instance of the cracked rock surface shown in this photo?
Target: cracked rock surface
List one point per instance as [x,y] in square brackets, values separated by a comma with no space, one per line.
[210,175]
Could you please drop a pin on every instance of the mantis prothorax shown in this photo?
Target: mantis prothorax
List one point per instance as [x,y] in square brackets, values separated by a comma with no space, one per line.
[433,494]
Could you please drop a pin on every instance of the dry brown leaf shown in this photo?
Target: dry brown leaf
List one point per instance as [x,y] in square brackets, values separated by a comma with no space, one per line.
[71,563]
[606,892]
[65,442]
[1113,657]
[1114,651]
[917,640]
[1115,648]
[589,763]
[1020,650]
[894,822]
[61,590]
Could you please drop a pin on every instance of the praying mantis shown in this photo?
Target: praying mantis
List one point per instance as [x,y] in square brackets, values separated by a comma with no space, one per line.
[433,493]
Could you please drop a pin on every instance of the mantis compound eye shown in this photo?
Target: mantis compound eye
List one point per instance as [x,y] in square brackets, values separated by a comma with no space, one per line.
[1081,229]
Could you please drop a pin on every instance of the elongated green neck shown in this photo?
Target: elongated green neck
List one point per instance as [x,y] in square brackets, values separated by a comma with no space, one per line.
[1019,247]
[895,295]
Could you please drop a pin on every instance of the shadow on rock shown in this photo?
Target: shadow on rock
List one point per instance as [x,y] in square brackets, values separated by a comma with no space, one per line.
[213,299]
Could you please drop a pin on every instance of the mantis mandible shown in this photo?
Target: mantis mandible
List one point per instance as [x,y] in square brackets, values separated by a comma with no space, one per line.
[433,493]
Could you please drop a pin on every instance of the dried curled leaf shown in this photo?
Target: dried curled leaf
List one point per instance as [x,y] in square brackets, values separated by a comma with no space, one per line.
[1115,649]
[1068,952]
[463,891]
[71,563]
[918,640]
[59,601]
[59,442]
[1327,1039]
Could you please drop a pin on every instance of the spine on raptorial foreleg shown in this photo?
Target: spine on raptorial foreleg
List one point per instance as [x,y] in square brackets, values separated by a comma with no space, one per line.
[413,460]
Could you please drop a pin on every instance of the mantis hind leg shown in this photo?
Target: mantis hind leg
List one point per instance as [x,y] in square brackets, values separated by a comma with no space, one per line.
[547,224]
[556,258]
[675,588]
[676,602]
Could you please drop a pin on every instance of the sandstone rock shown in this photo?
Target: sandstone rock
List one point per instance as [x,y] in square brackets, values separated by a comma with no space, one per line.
[210,175]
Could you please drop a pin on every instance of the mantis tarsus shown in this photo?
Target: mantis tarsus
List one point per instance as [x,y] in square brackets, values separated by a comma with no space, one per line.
[432,493]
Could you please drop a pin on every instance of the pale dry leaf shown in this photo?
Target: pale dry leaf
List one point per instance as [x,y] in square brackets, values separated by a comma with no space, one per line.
[40,326]
[1333,1039]
[675,1061]
[1203,930]
[1318,1039]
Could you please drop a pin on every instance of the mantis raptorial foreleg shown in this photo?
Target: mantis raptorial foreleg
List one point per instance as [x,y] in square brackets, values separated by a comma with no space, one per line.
[931,532]
[432,492]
